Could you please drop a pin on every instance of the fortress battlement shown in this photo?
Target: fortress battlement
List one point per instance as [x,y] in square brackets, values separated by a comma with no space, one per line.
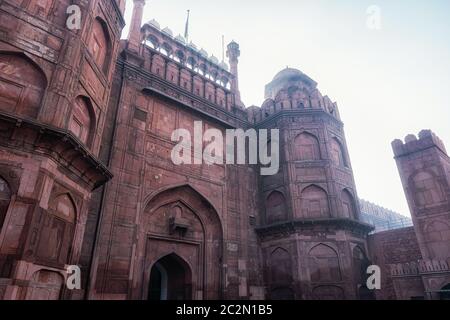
[427,139]
[291,89]
[420,267]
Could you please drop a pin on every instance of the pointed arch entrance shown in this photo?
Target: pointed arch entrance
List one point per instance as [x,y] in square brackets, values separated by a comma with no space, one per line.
[182,246]
[445,292]
[170,279]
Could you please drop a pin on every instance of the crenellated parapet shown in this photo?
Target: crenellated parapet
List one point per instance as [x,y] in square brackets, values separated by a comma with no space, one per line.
[292,90]
[188,67]
[176,48]
[424,165]
[427,139]
[423,266]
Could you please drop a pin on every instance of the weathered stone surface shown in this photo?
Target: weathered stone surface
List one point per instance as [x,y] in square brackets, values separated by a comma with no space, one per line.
[418,257]
[79,108]
[54,91]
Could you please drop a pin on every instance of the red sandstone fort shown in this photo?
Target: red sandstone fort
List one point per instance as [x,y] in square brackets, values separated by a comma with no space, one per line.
[86,177]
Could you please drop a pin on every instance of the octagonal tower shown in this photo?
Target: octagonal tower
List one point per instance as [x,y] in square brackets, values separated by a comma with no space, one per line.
[313,242]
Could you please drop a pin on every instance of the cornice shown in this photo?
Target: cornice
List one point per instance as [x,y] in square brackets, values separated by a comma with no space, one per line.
[58,144]
[294,226]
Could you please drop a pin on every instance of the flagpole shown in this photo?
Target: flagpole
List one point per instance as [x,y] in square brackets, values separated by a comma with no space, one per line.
[223,48]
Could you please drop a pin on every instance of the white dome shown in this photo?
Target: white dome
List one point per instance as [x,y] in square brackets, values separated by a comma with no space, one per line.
[203,53]
[180,38]
[224,66]
[167,31]
[154,24]
[213,59]
[192,45]
[287,73]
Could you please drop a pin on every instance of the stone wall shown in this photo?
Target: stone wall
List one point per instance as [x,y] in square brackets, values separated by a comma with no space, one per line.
[392,247]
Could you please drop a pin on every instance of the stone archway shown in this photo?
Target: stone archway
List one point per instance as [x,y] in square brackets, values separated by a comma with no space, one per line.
[170,279]
[183,236]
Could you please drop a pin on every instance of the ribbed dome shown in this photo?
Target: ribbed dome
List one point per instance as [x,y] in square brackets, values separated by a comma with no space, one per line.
[287,74]
[180,38]
[155,24]
[214,59]
[167,31]
[287,78]
[203,53]
[223,65]
[192,45]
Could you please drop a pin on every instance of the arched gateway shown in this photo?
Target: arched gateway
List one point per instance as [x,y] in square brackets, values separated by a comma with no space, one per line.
[183,246]
[170,279]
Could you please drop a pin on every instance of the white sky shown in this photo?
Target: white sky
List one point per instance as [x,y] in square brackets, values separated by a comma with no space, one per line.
[387,83]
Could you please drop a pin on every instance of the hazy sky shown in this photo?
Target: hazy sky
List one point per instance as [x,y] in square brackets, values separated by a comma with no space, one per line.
[387,83]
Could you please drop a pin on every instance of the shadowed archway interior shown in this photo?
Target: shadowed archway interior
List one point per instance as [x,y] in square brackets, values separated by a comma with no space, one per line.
[170,279]
[445,292]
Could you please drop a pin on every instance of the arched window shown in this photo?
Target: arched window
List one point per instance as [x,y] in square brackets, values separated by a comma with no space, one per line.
[280,268]
[280,275]
[191,63]
[5,199]
[324,264]
[437,239]
[426,189]
[57,230]
[166,49]
[306,147]
[22,85]
[180,55]
[276,209]
[152,42]
[100,44]
[337,153]
[82,120]
[314,202]
[64,208]
[348,205]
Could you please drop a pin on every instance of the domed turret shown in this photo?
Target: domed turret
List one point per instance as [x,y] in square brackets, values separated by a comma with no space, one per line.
[192,45]
[154,24]
[204,53]
[287,74]
[224,65]
[286,78]
[214,59]
[180,38]
[167,31]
